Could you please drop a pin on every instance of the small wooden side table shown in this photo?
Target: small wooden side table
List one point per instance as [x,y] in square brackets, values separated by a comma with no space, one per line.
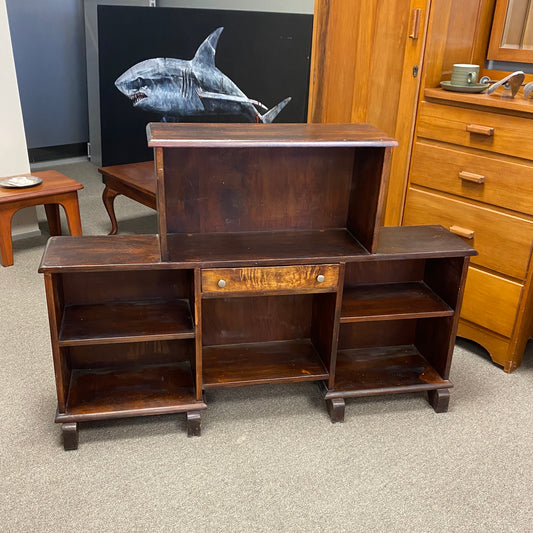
[134,180]
[56,189]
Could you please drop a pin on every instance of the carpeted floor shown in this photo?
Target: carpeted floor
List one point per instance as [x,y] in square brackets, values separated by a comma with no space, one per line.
[269,459]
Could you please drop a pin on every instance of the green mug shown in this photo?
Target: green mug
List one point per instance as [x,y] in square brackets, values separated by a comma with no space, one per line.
[464,74]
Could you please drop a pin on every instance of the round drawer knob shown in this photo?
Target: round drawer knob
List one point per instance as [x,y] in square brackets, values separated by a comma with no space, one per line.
[221,283]
[320,278]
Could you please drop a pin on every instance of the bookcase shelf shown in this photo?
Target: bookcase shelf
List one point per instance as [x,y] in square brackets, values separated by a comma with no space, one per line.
[262,362]
[126,322]
[391,301]
[384,370]
[302,246]
[110,392]
[270,266]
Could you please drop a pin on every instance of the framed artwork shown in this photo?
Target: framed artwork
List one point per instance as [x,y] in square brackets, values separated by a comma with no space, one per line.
[196,65]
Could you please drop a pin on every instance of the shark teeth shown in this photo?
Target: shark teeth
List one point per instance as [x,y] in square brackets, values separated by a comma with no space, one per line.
[137,97]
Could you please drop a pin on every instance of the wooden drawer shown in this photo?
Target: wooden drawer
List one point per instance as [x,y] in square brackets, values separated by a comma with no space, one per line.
[503,241]
[490,301]
[263,280]
[500,182]
[498,133]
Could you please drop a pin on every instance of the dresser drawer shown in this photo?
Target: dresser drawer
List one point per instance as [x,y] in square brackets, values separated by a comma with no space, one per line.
[282,279]
[498,133]
[490,301]
[503,241]
[499,182]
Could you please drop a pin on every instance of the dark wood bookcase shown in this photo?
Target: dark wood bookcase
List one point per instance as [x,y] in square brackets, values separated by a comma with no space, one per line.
[270,266]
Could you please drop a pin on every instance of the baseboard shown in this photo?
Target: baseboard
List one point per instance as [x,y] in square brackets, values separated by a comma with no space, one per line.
[53,153]
[56,162]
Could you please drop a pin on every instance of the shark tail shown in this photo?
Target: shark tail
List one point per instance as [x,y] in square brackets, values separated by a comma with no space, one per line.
[271,114]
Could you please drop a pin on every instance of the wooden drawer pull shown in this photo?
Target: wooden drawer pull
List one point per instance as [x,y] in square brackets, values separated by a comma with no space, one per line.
[480,130]
[462,232]
[470,176]
[415,23]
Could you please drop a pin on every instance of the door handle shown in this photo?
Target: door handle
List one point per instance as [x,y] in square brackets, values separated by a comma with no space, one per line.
[415,23]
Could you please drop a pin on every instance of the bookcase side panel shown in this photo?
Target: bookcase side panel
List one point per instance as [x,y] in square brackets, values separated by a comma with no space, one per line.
[54,299]
[367,194]
[435,341]
[196,298]
[445,276]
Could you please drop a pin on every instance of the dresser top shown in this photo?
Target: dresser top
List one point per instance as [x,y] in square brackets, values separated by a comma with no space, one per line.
[265,135]
[496,102]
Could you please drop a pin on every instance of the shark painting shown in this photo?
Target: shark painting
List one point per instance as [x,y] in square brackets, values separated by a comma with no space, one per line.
[178,89]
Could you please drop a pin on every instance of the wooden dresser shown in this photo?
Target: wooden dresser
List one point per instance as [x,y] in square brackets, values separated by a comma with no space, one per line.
[472,172]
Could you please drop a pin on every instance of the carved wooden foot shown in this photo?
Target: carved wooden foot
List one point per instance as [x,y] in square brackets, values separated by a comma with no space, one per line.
[439,399]
[69,431]
[336,409]
[193,424]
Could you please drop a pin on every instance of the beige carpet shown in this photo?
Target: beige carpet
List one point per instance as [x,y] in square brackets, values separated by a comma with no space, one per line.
[269,459]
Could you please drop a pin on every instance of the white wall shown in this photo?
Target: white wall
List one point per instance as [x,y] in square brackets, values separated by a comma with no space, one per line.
[13,152]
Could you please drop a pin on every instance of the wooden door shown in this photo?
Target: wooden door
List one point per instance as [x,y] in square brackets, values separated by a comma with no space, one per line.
[366,67]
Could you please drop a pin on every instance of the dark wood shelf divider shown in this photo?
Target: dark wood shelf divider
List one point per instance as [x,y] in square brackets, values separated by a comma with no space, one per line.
[140,390]
[392,301]
[262,362]
[383,370]
[126,322]
[301,246]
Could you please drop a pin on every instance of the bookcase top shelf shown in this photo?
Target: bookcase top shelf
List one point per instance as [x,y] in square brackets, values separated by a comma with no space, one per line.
[138,252]
[174,135]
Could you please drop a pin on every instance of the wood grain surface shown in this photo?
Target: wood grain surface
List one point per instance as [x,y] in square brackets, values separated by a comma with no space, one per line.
[300,278]
[253,135]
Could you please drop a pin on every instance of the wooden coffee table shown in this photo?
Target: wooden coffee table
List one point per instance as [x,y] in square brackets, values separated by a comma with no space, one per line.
[134,180]
[56,189]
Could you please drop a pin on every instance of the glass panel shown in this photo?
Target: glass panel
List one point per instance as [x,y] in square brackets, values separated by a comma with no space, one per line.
[518,29]
[527,41]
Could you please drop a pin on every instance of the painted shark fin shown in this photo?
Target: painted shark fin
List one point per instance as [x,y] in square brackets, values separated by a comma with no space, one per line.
[271,114]
[206,51]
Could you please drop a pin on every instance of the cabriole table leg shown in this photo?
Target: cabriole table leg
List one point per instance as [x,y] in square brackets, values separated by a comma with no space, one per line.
[108,197]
